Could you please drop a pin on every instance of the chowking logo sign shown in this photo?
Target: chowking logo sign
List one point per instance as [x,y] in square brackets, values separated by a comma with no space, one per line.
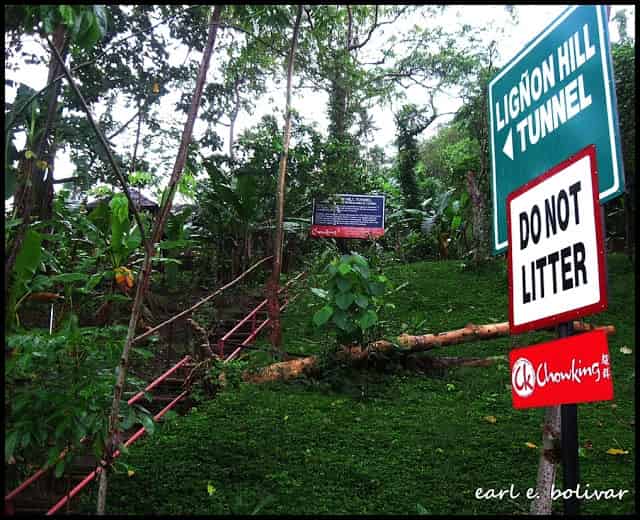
[569,370]
[523,377]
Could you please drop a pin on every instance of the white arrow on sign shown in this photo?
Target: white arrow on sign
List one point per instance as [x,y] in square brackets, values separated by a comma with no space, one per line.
[508,145]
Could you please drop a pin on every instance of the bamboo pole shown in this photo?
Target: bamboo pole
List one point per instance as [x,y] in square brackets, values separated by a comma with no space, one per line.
[113,435]
[474,332]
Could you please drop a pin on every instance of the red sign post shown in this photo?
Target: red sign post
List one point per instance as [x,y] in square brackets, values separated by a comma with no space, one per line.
[575,369]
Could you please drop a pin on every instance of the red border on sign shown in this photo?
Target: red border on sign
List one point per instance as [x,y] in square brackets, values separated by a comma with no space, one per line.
[319,231]
[601,304]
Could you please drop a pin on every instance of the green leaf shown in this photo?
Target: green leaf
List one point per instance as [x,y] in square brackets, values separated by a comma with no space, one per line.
[117,298]
[368,319]
[359,260]
[173,244]
[129,420]
[100,217]
[133,239]
[344,284]
[52,455]
[94,280]
[148,423]
[362,301]
[28,258]
[66,12]
[10,445]
[455,223]
[321,293]
[363,270]
[322,316]
[340,318]
[70,277]
[119,207]
[59,468]
[344,268]
[344,299]
[376,288]
[145,354]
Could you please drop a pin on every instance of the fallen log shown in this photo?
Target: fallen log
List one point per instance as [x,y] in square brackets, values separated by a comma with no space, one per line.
[357,354]
[283,370]
[475,332]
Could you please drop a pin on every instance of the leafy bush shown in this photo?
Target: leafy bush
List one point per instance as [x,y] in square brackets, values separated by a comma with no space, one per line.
[353,298]
[58,390]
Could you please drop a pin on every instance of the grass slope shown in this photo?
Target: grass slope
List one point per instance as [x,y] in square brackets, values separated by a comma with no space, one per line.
[398,443]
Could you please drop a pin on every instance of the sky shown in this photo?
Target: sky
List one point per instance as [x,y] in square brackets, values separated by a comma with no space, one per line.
[510,35]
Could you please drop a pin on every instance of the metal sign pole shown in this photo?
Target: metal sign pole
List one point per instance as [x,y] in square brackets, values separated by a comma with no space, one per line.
[569,442]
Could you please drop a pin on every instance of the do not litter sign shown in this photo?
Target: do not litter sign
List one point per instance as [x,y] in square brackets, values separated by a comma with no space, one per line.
[556,253]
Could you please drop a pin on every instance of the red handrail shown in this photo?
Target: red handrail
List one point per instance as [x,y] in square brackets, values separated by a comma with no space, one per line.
[128,443]
[38,474]
[251,337]
[252,314]
[138,396]
[159,380]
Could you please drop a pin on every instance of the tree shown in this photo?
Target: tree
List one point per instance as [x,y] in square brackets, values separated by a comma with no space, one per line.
[114,439]
[83,26]
[623,55]
[473,117]
[272,290]
[410,122]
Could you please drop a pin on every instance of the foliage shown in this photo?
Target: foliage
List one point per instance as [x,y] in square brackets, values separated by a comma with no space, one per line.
[113,227]
[177,240]
[24,270]
[331,453]
[354,297]
[58,390]
[620,212]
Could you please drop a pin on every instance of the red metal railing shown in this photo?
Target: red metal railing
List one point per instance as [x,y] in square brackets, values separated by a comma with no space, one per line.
[155,383]
[96,471]
[255,330]
[8,499]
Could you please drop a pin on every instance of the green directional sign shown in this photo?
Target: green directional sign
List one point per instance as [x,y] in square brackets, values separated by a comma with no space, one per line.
[556,96]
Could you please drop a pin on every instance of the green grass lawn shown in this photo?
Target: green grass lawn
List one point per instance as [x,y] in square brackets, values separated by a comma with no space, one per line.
[387,443]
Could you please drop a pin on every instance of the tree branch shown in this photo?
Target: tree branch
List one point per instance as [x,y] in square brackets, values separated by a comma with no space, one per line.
[377,25]
[104,143]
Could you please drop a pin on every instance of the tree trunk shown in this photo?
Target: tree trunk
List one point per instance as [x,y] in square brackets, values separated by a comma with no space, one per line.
[549,458]
[233,117]
[114,434]
[478,218]
[31,188]
[273,305]
[43,189]
[359,354]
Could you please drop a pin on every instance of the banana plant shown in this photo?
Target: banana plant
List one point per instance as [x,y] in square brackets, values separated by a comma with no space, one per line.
[121,238]
[24,271]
